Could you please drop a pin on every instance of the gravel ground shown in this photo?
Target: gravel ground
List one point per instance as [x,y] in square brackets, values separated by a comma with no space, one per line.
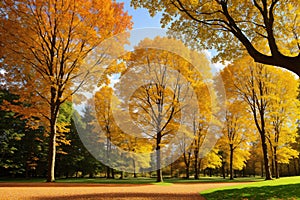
[55,191]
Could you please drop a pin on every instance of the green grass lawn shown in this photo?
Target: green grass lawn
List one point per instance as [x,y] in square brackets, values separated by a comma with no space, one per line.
[287,188]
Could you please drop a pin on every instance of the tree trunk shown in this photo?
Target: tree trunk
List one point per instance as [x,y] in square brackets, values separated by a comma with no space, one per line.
[231,162]
[52,149]
[223,170]
[262,168]
[276,163]
[187,172]
[108,172]
[266,157]
[112,173]
[171,170]
[134,172]
[196,176]
[159,177]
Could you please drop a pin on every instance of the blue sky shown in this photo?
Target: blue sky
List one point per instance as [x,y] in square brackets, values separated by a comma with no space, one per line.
[142,19]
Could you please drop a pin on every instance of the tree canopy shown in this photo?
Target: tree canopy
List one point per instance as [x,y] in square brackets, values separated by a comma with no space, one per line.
[233,27]
[45,44]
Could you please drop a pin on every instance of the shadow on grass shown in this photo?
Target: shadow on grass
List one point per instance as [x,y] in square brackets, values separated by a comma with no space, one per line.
[286,192]
[125,196]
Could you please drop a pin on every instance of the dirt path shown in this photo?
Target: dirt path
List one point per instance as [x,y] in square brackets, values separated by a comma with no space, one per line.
[55,191]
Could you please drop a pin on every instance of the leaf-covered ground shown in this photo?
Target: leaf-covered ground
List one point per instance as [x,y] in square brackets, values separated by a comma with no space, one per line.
[50,191]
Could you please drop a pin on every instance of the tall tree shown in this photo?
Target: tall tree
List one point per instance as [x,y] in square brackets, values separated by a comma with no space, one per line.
[283,112]
[257,85]
[44,48]
[232,27]
[252,84]
[164,81]
[237,132]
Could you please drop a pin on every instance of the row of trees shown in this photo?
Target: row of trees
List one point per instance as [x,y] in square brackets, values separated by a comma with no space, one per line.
[170,126]
[44,61]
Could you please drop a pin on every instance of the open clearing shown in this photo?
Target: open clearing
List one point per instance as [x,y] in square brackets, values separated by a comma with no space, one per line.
[51,191]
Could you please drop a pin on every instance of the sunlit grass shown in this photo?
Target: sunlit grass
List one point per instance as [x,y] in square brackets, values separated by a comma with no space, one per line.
[283,188]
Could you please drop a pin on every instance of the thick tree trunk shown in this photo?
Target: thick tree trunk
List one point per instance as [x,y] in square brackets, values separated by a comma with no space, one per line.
[231,162]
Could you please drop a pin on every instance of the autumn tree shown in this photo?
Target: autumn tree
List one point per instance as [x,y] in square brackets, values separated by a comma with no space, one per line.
[212,160]
[44,48]
[253,88]
[283,112]
[157,104]
[236,133]
[232,27]
[256,84]
[105,119]
[158,81]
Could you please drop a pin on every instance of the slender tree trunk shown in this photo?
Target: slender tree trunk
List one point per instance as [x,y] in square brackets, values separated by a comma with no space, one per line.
[276,163]
[52,141]
[231,162]
[187,164]
[223,170]
[159,177]
[134,172]
[196,176]
[199,167]
[171,169]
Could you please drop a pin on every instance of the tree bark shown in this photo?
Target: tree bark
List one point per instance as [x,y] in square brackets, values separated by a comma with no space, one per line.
[108,172]
[231,162]
[196,176]
[52,152]
[134,172]
[187,172]
[276,163]
[54,108]
[159,177]
[266,157]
